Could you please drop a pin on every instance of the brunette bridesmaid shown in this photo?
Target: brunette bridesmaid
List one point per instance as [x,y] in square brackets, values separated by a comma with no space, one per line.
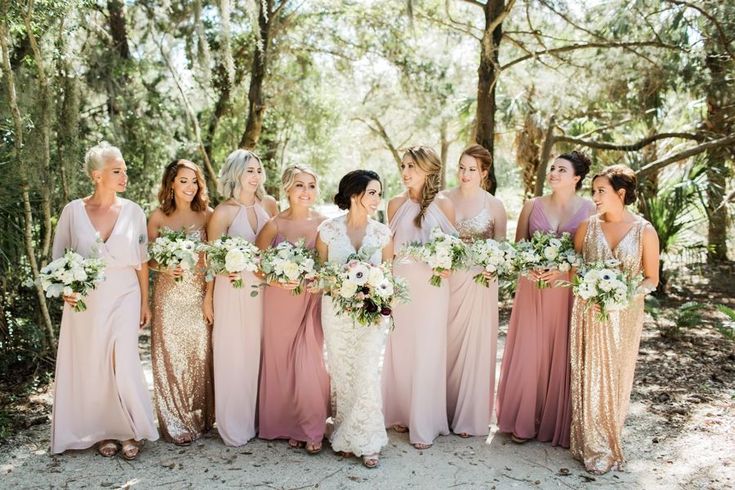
[473,308]
[415,368]
[236,315]
[100,395]
[533,392]
[181,347]
[604,352]
[294,385]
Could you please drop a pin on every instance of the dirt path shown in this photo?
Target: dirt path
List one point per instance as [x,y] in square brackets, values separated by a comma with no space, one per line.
[696,451]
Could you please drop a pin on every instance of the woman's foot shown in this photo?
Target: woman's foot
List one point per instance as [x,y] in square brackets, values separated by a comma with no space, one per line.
[107,448]
[371,460]
[346,454]
[130,449]
[421,445]
[293,443]
[463,435]
[183,440]
[517,440]
[313,447]
[400,428]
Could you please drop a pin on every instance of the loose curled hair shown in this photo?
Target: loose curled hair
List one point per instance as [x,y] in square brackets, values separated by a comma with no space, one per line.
[621,177]
[429,162]
[166,192]
[354,184]
[229,177]
[288,178]
[484,159]
[580,163]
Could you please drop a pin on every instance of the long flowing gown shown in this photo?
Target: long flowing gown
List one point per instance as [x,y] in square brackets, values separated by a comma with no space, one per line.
[294,384]
[472,339]
[415,364]
[181,355]
[354,351]
[100,391]
[604,355]
[533,392]
[236,340]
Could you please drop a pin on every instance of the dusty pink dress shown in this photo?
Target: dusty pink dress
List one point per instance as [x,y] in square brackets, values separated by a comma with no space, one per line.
[294,384]
[236,338]
[472,340]
[533,392]
[100,391]
[415,364]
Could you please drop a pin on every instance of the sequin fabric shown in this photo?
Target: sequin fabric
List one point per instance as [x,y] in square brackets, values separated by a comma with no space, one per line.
[603,357]
[480,226]
[181,354]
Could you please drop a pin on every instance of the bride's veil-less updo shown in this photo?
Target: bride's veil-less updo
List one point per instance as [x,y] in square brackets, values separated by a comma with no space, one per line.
[354,184]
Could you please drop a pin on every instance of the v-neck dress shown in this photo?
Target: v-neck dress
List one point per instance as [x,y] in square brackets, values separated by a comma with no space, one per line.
[100,392]
[533,392]
[236,339]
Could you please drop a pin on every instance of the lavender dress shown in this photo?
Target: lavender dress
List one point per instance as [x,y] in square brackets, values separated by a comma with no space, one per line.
[533,393]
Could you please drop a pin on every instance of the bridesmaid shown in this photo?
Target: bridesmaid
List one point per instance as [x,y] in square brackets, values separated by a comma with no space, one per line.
[236,316]
[415,369]
[100,395]
[473,309]
[181,348]
[533,392]
[294,385]
[604,352]
[354,352]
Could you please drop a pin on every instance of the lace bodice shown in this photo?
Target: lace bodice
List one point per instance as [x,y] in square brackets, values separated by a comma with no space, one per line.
[480,226]
[333,232]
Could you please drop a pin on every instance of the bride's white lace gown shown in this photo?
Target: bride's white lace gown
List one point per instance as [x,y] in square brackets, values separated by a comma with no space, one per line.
[354,351]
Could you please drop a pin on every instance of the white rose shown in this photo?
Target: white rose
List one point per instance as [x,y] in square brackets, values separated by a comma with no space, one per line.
[291,271]
[376,276]
[551,253]
[348,289]
[235,261]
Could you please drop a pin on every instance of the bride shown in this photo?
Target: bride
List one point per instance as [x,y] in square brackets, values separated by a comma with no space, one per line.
[354,351]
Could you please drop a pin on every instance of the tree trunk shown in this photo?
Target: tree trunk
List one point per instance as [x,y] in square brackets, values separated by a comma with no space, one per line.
[444,152]
[549,141]
[118,29]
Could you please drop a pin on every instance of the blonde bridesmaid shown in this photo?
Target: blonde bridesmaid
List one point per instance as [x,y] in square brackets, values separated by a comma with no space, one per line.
[415,367]
[533,392]
[604,352]
[473,309]
[181,347]
[294,385]
[100,395]
[236,315]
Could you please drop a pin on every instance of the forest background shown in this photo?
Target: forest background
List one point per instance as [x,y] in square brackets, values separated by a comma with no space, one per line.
[347,84]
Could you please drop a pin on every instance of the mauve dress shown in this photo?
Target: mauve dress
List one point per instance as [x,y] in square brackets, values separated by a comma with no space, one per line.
[415,363]
[236,338]
[294,384]
[533,392]
[100,392]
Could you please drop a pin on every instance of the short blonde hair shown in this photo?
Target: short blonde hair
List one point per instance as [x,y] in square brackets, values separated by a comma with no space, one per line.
[231,173]
[98,155]
[288,179]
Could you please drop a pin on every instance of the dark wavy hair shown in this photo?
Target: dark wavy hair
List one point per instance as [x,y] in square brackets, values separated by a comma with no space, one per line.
[621,177]
[354,184]
[580,163]
[166,192]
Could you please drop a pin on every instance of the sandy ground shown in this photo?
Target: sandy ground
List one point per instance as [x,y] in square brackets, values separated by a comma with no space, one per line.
[699,454]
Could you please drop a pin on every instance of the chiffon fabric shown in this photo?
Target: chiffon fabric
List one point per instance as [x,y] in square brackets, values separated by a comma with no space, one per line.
[181,356]
[533,392]
[294,384]
[604,355]
[236,339]
[100,392]
[415,363]
[354,351]
[472,340]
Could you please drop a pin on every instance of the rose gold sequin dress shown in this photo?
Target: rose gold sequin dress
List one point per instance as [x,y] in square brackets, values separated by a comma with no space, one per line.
[181,355]
[603,358]
[472,337]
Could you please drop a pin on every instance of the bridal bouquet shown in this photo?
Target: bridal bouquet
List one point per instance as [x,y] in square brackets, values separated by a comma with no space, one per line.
[175,249]
[71,275]
[289,262]
[231,254]
[362,291]
[545,251]
[494,257]
[443,252]
[605,285]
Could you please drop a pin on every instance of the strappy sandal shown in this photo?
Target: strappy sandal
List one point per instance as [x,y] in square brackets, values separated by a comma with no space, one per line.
[313,447]
[463,435]
[183,440]
[107,448]
[293,443]
[421,445]
[400,428]
[130,449]
[371,460]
